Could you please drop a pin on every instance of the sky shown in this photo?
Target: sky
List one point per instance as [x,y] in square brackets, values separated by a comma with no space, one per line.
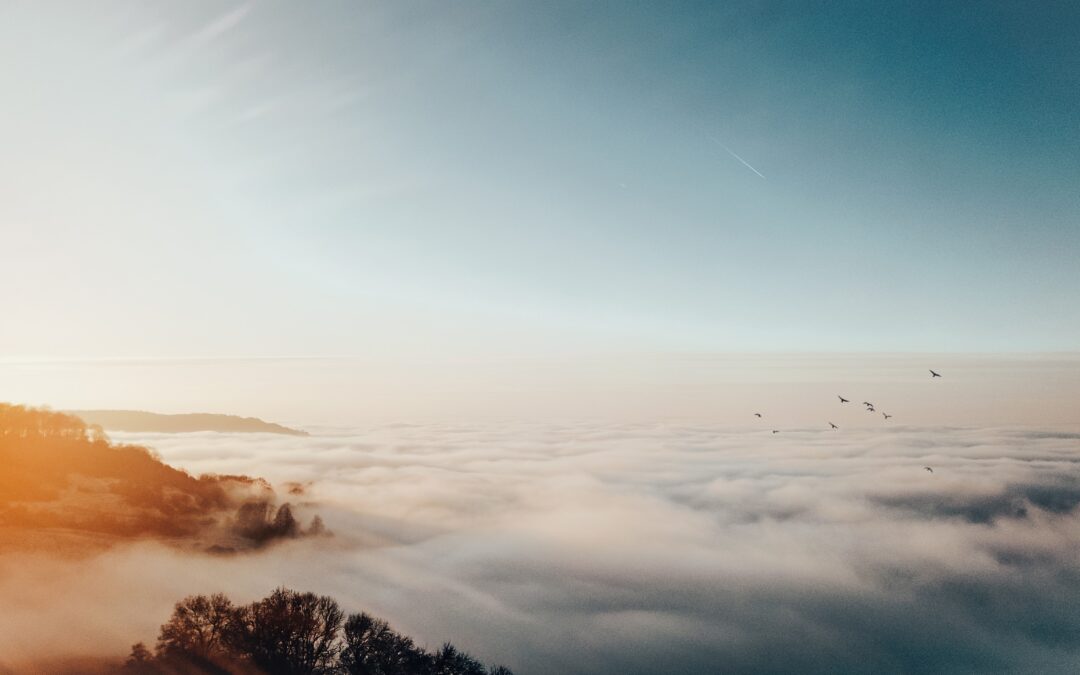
[526,271]
[437,181]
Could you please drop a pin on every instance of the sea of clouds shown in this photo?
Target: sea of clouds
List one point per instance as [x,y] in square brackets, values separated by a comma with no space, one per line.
[608,548]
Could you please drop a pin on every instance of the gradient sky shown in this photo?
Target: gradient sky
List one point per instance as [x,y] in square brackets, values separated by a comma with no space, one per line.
[222,179]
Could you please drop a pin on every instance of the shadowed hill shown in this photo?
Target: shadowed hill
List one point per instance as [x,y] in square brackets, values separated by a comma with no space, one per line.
[64,485]
[138,420]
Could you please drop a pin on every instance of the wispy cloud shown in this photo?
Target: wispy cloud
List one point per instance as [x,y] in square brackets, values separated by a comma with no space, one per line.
[732,153]
[224,23]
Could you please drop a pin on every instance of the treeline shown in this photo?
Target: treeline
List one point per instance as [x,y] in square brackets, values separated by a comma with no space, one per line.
[18,421]
[289,633]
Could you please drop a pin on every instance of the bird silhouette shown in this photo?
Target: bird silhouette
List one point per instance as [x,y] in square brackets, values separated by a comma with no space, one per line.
[776,431]
[868,403]
[757,414]
[833,425]
[933,374]
[928,469]
[887,415]
[842,399]
[870,408]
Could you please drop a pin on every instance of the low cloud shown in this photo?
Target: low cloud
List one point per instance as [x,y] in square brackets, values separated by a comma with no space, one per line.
[604,548]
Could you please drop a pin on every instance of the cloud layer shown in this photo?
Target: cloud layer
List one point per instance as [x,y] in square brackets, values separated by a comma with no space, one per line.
[604,548]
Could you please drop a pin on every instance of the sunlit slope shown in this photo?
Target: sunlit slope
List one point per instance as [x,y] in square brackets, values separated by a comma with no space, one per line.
[64,484]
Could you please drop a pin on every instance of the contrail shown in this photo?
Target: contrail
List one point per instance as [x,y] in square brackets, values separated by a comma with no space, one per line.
[732,153]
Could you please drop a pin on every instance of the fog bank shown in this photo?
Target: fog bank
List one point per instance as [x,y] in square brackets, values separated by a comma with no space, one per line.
[637,548]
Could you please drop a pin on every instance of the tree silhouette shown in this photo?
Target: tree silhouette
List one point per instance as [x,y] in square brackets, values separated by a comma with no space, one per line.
[317,527]
[199,627]
[285,524]
[289,633]
[449,661]
[373,648]
[141,661]
[259,522]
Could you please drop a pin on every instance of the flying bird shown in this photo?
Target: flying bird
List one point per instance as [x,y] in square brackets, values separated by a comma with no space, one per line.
[933,374]
[833,425]
[928,469]
[843,400]
[887,415]
[871,409]
[776,431]
[757,414]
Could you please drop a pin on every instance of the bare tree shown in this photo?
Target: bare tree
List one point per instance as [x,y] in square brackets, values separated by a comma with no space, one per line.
[373,648]
[289,633]
[198,626]
[449,661]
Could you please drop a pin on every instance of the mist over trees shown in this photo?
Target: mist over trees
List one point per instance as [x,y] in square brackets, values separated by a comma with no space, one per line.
[288,633]
[63,481]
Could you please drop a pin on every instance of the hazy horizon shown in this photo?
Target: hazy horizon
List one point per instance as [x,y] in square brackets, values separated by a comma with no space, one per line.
[791,389]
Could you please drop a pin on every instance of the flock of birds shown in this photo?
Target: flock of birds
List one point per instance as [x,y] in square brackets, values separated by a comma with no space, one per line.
[869,408]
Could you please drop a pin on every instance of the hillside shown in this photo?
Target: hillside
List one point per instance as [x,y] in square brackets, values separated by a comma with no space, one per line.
[138,420]
[65,485]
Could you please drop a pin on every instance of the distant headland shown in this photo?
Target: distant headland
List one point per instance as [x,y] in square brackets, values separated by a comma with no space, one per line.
[138,420]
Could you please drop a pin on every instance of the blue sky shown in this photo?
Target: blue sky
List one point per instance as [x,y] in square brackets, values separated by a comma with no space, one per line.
[214,179]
